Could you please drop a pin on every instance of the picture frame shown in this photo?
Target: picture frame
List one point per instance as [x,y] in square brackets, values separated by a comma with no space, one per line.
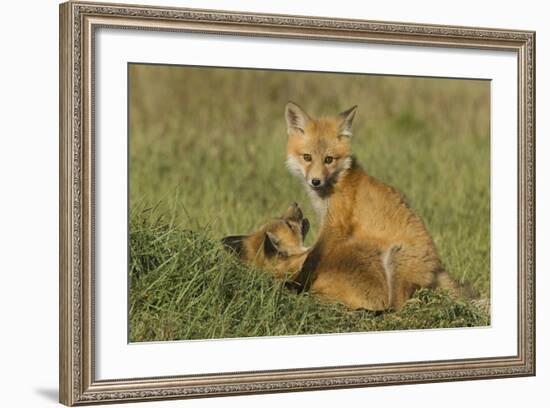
[79,25]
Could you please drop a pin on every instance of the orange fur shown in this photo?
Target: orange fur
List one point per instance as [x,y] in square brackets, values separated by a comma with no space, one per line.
[372,251]
[277,246]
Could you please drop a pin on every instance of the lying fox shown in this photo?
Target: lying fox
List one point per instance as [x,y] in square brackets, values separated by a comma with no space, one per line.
[372,250]
[277,247]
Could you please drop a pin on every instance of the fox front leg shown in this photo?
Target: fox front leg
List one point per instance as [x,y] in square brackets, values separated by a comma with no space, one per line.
[305,277]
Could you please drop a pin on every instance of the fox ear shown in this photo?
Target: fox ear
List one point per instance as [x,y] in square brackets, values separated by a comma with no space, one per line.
[296,118]
[234,244]
[271,246]
[347,120]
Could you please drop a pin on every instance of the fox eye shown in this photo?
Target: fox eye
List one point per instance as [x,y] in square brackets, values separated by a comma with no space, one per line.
[307,157]
[329,159]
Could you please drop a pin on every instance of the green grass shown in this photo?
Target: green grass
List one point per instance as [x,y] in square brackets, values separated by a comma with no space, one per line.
[186,286]
[207,152]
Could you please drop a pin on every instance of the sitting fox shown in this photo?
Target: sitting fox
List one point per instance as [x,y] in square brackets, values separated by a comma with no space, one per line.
[372,250]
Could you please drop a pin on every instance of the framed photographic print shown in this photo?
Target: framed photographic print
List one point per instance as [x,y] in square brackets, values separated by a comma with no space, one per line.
[256,203]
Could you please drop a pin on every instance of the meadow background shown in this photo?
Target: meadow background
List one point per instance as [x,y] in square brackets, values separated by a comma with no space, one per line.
[207,148]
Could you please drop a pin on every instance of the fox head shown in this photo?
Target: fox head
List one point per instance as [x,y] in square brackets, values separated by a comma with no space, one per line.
[274,242]
[318,149]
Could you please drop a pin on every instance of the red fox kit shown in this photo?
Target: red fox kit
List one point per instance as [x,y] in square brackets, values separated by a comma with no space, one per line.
[277,247]
[372,250]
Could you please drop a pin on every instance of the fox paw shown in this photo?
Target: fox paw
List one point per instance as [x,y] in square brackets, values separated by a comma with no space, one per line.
[294,286]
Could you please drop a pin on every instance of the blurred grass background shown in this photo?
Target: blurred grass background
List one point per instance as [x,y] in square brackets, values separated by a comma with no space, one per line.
[207,152]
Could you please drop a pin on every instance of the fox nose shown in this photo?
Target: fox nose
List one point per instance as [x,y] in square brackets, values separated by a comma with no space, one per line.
[315,182]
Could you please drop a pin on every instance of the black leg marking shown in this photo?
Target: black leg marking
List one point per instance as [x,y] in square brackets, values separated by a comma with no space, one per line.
[306,275]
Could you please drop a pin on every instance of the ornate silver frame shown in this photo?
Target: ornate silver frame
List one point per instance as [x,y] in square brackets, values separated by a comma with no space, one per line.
[78,22]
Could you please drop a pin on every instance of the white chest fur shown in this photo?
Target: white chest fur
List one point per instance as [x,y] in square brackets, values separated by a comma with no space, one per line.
[319,204]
